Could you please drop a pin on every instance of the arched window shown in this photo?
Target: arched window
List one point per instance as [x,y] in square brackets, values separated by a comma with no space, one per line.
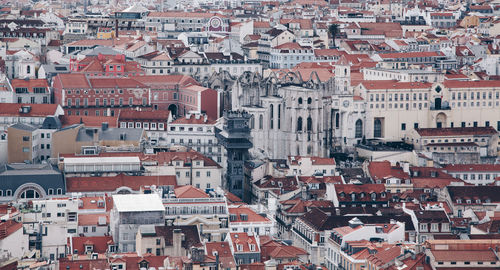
[28,69]
[300,100]
[59,191]
[309,123]
[309,100]
[377,128]
[279,116]
[51,191]
[261,121]
[30,194]
[271,116]
[299,124]
[359,129]
[8,193]
[337,120]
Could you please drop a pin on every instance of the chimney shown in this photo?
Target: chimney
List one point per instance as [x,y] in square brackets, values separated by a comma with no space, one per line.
[104,126]
[177,242]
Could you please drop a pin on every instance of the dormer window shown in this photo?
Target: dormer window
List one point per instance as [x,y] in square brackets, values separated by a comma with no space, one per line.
[89,248]
[144,264]
[239,247]
[353,196]
[252,247]
[382,194]
[373,196]
[342,195]
[468,201]
[459,201]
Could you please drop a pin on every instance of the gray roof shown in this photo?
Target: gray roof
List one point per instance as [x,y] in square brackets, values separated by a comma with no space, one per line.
[110,134]
[22,126]
[12,176]
[51,122]
[99,50]
[52,68]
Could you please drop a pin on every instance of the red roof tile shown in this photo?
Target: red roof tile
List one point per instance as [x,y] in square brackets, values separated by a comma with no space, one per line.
[189,192]
[36,110]
[251,215]
[458,131]
[394,85]
[9,227]
[111,183]
[100,243]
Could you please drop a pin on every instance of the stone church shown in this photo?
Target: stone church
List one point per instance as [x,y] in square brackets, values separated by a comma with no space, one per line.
[293,115]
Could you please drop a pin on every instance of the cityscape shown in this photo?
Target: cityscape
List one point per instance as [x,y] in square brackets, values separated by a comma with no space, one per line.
[249,134]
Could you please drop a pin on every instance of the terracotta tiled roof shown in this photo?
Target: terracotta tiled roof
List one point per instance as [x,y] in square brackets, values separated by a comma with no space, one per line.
[115,82]
[471,84]
[73,81]
[380,170]
[464,255]
[9,227]
[111,183]
[410,55]
[223,250]
[89,121]
[394,85]
[458,131]
[189,192]
[244,239]
[384,256]
[143,115]
[36,110]
[191,235]
[29,84]
[472,168]
[182,14]
[93,219]
[291,46]
[474,193]
[100,243]
[251,215]
[193,120]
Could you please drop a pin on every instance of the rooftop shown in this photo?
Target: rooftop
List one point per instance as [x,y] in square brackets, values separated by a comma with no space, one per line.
[138,203]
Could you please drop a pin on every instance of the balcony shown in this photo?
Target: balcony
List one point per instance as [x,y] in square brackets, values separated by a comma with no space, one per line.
[436,106]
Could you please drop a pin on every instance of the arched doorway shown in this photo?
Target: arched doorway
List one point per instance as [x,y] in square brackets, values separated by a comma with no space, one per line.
[359,129]
[173,109]
[377,128]
[441,120]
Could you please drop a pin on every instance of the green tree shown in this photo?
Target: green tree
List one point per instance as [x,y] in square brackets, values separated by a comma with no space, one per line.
[334,30]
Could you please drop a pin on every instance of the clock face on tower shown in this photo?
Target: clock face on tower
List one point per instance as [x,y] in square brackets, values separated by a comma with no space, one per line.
[215,24]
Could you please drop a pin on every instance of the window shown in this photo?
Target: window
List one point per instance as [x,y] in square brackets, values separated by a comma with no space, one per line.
[299,124]
[359,129]
[403,126]
[377,128]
